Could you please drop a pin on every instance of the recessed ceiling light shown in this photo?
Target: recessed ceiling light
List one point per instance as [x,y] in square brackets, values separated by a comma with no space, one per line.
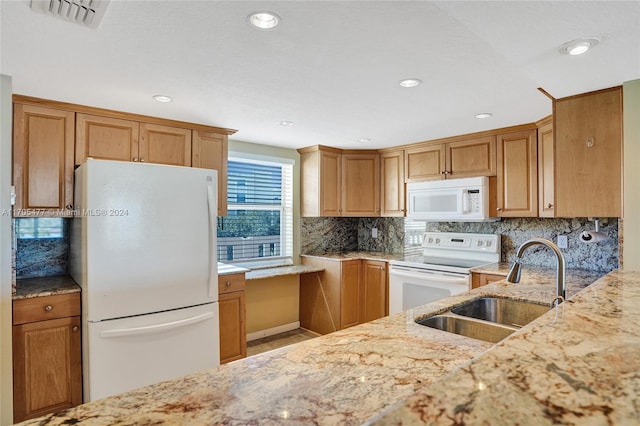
[410,82]
[484,115]
[285,123]
[578,46]
[364,140]
[162,98]
[264,20]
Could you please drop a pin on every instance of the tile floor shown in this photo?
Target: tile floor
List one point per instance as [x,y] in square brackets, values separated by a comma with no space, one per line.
[278,340]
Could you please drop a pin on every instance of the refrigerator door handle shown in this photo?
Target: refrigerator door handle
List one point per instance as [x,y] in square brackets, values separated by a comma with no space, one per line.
[157,328]
[211,205]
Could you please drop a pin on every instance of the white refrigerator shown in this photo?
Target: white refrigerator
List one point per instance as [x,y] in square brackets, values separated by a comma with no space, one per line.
[143,249]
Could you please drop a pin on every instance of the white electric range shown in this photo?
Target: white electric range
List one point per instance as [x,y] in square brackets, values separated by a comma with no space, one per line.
[442,270]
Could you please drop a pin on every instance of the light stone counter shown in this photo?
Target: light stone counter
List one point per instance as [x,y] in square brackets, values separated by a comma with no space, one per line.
[355,255]
[45,286]
[577,365]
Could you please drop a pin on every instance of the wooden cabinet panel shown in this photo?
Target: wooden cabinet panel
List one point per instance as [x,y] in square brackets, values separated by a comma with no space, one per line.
[210,151]
[360,185]
[475,157]
[232,308]
[480,279]
[164,145]
[106,138]
[392,192]
[330,183]
[43,141]
[373,290]
[350,293]
[47,360]
[588,154]
[517,179]
[425,163]
[546,162]
[233,334]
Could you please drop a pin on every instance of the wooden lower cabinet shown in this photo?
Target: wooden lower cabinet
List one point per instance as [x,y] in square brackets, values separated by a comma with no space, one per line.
[480,279]
[346,293]
[47,355]
[232,306]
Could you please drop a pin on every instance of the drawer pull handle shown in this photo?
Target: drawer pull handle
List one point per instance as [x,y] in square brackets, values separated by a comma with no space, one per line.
[75,328]
[48,308]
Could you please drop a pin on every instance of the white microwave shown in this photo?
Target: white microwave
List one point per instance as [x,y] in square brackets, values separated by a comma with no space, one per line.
[451,200]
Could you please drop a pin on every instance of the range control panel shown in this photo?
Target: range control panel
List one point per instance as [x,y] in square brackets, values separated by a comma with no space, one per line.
[465,242]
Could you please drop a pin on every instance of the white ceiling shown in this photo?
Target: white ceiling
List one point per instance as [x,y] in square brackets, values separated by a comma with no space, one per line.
[332,68]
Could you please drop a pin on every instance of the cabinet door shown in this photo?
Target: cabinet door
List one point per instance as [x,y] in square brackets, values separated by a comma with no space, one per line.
[47,368]
[350,293]
[330,179]
[233,334]
[43,160]
[106,138]
[165,145]
[360,185]
[546,185]
[210,151]
[588,153]
[517,174]
[425,163]
[475,157]
[374,290]
[392,193]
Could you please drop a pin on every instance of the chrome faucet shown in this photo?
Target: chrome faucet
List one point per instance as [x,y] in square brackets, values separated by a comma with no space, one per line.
[514,273]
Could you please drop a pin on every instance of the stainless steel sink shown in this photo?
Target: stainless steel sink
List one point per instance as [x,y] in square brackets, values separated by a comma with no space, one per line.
[468,327]
[490,319]
[503,311]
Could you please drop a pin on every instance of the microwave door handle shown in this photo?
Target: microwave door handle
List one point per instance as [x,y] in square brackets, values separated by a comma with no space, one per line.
[423,275]
[465,201]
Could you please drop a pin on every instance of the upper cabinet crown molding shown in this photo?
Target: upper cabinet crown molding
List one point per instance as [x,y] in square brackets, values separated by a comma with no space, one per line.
[29,100]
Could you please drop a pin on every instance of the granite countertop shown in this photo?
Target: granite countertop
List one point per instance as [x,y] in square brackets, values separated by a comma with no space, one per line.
[266,272]
[576,364]
[354,255]
[45,286]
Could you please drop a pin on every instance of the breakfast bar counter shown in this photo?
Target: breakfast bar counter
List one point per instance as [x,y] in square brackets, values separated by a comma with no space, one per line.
[576,363]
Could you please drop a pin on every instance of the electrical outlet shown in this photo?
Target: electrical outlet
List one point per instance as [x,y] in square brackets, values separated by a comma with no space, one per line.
[563,241]
[374,232]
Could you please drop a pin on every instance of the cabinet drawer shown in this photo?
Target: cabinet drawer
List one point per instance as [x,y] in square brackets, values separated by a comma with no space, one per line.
[229,283]
[45,308]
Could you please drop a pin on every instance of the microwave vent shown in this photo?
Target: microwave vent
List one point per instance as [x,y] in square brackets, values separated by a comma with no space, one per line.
[84,12]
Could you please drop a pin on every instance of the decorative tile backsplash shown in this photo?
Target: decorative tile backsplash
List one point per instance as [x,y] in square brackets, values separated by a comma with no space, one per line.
[40,257]
[399,235]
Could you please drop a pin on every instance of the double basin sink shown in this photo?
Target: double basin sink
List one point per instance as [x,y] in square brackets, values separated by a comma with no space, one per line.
[489,318]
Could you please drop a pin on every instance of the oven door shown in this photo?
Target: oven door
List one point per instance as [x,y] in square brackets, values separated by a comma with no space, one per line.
[411,287]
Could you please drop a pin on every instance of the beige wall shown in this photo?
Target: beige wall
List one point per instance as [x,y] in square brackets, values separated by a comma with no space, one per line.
[6,372]
[631,225]
[272,302]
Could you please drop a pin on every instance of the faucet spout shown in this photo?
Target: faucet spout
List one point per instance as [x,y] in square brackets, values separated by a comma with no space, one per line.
[514,273]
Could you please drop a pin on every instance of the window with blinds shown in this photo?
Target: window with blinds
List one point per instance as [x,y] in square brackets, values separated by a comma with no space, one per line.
[259,223]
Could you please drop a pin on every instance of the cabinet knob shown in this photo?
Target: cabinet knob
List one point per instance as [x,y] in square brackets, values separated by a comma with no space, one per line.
[549,206]
[48,308]
[69,206]
[228,284]
[135,159]
[382,268]
[75,328]
[141,160]
[499,209]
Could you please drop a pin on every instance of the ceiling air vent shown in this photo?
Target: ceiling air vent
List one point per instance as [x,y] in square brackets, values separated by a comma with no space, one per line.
[85,12]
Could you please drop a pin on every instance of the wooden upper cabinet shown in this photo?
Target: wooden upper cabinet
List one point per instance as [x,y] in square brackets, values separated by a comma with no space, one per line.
[425,163]
[392,193]
[517,180]
[360,184]
[330,183]
[320,181]
[474,157]
[210,151]
[164,145]
[588,154]
[106,138]
[43,141]
[546,185]
[456,159]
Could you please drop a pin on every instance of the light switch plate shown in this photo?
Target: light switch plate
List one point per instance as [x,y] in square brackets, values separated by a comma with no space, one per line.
[563,241]
[374,232]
